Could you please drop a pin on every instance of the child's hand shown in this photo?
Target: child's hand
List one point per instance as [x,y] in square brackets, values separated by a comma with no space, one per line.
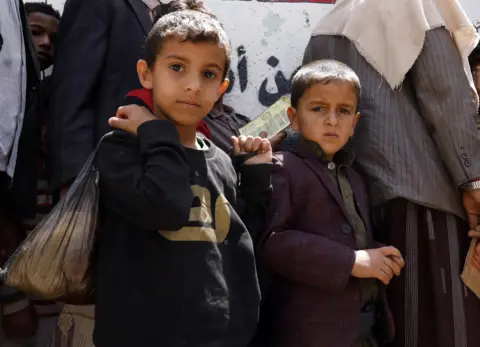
[274,140]
[245,145]
[130,117]
[380,263]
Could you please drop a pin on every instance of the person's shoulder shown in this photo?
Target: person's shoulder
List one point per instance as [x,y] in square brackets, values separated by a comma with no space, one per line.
[116,140]
[244,120]
[218,157]
[220,168]
[286,159]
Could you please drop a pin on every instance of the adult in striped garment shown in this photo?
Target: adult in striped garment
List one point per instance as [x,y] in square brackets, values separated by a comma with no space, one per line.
[418,146]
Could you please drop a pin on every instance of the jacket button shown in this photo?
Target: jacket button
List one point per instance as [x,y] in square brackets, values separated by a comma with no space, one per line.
[467,163]
[346,229]
[463,156]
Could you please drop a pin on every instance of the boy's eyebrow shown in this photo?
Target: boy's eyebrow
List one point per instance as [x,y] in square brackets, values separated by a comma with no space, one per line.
[348,105]
[173,56]
[177,57]
[215,65]
[317,101]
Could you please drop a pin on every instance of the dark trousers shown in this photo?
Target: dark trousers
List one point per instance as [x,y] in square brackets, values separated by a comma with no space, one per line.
[430,304]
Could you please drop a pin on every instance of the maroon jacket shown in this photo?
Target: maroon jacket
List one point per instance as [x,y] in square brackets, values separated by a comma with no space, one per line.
[309,246]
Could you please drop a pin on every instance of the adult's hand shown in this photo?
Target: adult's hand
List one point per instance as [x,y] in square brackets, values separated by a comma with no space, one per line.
[471,202]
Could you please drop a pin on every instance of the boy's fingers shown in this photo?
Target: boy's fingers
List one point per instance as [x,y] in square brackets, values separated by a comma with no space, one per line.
[256,145]
[388,271]
[241,144]
[394,266]
[236,145]
[122,124]
[248,144]
[399,261]
[116,122]
[265,146]
[382,276]
[125,111]
[390,251]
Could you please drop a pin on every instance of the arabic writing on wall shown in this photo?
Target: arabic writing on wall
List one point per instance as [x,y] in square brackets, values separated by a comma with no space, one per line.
[239,79]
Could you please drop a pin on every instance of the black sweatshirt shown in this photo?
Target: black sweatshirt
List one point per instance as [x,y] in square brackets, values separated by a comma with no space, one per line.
[176,263]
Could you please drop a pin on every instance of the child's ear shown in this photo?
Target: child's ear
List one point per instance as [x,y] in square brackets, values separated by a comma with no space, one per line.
[355,121]
[144,74]
[223,87]
[292,115]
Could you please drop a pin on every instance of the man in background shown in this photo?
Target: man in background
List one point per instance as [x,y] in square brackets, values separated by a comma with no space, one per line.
[43,20]
[19,101]
[99,43]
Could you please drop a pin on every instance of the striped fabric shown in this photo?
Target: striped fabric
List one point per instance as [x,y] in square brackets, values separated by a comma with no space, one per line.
[419,142]
[430,304]
[12,83]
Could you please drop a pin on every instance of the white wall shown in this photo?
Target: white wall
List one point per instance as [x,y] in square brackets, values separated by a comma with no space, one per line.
[275,33]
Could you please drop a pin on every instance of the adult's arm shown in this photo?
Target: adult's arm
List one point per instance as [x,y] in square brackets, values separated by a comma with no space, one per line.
[447,104]
[83,38]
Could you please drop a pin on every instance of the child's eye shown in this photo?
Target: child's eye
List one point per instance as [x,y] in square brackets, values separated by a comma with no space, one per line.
[176,67]
[345,111]
[318,109]
[209,74]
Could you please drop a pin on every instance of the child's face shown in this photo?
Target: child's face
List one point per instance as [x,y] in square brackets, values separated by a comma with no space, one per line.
[44,30]
[187,80]
[326,115]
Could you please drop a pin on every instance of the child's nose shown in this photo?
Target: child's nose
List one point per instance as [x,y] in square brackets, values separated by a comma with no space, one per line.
[332,117]
[193,84]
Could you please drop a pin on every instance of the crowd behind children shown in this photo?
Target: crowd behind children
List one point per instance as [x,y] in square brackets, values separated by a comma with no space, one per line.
[349,230]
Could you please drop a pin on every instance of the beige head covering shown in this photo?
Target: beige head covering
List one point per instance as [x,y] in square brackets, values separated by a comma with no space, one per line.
[390,33]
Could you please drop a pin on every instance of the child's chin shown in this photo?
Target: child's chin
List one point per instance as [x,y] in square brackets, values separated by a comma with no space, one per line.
[187,122]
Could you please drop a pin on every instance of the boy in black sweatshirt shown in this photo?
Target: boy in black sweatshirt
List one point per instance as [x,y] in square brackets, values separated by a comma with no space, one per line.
[175,262]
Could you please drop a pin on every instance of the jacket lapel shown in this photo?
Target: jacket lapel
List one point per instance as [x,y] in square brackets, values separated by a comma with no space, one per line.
[141,12]
[322,174]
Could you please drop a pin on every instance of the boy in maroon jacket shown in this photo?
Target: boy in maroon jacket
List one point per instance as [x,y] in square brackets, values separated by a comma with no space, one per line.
[318,243]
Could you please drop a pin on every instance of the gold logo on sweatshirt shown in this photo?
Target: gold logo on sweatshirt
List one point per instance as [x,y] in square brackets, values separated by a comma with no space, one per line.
[208,215]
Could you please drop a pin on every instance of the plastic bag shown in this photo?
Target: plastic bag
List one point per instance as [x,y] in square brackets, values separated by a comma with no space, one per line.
[54,261]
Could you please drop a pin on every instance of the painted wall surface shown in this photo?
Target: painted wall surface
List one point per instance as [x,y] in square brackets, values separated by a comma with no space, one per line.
[268,39]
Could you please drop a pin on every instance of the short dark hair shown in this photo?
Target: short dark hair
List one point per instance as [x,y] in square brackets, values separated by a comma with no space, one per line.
[322,72]
[474,58]
[187,26]
[41,7]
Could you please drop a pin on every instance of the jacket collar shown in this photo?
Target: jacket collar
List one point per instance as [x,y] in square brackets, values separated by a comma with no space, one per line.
[141,11]
[310,154]
[309,149]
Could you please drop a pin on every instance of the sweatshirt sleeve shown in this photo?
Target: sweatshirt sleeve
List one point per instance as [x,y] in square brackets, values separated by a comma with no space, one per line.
[146,180]
[301,257]
[255,190]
